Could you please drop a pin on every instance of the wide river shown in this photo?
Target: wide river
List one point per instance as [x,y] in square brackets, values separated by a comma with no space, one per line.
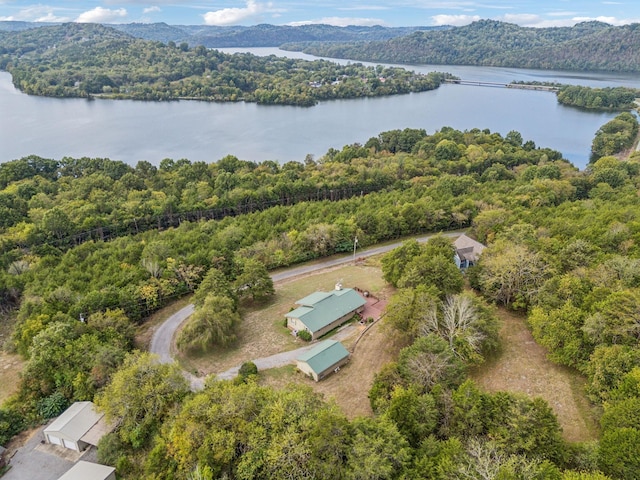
[135,130]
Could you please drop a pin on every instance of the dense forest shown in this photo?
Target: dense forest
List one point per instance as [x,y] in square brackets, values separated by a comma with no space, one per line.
[589,46]
[563,248]
[244,36]
[615,136]
[609,98]
[82,60]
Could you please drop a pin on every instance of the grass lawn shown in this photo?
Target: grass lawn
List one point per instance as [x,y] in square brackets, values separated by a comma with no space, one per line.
[262,331]
[523,367]
[348,388]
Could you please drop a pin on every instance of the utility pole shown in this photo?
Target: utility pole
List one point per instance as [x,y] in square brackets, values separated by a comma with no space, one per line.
[355,244]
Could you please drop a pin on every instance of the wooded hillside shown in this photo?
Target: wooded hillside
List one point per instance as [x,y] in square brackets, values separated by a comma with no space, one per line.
[586,46]
[563,248]
[83,60]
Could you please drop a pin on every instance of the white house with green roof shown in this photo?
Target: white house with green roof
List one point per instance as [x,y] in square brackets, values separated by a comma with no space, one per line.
[321,312]
[323,359]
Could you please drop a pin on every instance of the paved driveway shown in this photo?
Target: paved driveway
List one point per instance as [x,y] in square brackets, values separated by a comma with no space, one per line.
[36,460]
[163,336]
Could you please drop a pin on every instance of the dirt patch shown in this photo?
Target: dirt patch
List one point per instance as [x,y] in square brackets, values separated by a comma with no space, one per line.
[10,367]
[523,367]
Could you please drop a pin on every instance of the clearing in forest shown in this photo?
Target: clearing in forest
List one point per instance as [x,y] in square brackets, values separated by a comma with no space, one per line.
[10,367]
[523,367]
[348,388]
[262,332]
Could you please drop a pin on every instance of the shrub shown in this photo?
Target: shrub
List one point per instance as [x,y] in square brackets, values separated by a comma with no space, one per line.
[247,369]
[305,335]
[53,405]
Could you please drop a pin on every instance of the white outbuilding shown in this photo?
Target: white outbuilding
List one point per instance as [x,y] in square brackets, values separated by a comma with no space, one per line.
[89,471]
[79,426]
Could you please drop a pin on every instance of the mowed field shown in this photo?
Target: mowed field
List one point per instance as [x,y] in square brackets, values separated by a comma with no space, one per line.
[523,367]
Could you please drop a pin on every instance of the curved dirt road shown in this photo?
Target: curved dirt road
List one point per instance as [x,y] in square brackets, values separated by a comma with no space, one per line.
[163,336]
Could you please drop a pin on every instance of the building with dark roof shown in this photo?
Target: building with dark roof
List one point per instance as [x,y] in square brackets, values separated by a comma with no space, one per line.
[468,251]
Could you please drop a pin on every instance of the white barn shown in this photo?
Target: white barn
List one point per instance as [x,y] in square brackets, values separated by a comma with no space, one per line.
[89,471]
[79,426]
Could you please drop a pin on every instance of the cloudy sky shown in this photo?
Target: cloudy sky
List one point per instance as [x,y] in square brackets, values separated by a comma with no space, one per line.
[533,13]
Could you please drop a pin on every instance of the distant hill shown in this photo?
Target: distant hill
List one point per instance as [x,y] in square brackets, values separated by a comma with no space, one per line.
[585,46]
[241,36]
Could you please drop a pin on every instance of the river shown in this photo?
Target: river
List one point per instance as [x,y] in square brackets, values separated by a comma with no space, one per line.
[130,130]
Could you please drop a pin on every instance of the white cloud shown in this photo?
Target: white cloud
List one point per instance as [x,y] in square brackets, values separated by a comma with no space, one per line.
[102,15]
[231,16]
[609,20]
[341,22]
[37,13]
[153,9]
[525,19]
[364,7]
[531,20]
[537,21]
[455,20]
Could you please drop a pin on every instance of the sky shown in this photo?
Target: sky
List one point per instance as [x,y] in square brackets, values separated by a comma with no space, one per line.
[528,13]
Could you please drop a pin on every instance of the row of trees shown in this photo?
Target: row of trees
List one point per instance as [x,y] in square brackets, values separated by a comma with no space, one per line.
[93,60]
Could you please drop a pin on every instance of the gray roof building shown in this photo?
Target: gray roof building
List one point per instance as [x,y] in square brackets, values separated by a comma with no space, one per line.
[75,427]
[468,251]
[89,471]
[326,357]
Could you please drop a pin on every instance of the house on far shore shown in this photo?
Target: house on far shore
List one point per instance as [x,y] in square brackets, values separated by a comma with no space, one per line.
[89,471]
[321,312]
[323,359]
[467,251]
[77,427]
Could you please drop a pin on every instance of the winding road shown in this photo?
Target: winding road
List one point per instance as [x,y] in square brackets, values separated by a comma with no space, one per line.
[163,336]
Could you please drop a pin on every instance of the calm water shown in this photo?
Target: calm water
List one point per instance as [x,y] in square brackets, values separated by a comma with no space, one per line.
[133,130]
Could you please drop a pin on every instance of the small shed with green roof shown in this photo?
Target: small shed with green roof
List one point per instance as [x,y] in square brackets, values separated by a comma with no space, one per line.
[323,359]
[321,312]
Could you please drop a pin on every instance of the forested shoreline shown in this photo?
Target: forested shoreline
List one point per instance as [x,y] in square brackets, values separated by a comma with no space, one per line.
[563,248]
[587,46]
[88,60]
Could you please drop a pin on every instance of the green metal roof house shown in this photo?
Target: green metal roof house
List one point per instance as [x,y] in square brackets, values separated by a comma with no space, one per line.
[321,312]
[326,357]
